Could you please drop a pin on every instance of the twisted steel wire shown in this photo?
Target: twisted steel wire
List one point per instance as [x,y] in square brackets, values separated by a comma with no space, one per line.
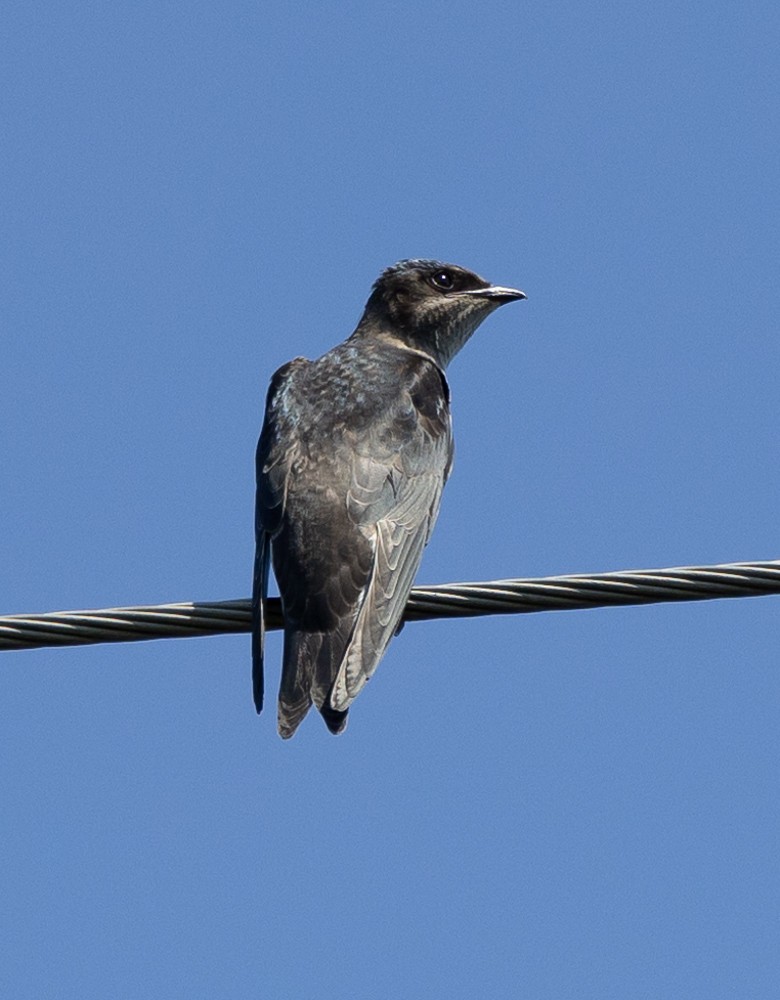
[453,600]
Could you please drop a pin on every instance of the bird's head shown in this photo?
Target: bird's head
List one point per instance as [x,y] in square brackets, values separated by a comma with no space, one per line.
[432,306]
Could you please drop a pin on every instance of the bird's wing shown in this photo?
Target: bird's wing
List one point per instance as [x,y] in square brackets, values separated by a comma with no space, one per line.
[272,464]
[259,594]
[399,469]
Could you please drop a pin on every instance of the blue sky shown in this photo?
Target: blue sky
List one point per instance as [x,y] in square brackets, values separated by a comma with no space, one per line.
[578,804]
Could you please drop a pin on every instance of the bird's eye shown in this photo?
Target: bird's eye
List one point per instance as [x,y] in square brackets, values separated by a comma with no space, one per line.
[443,280]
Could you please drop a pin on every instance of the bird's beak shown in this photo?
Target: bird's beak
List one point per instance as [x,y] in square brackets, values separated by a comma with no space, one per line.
[495,292]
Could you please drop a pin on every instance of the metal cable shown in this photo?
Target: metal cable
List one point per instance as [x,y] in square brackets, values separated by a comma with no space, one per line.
[453,600]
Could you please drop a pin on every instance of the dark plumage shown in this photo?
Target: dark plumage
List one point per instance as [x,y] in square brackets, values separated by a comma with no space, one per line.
[351,463]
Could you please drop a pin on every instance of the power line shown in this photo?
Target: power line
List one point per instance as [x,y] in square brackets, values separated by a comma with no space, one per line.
[453,600]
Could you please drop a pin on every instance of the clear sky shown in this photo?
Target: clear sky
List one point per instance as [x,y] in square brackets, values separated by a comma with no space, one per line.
[563,805]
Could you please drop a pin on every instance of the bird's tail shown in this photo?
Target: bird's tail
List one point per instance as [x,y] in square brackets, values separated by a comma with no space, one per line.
[307,673]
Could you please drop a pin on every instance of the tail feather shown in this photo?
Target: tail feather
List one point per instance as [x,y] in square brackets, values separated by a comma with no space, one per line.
[335,721]
[311,660]
[291,714]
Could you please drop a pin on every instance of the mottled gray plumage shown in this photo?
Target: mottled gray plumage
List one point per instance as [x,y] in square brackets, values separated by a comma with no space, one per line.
[351,463]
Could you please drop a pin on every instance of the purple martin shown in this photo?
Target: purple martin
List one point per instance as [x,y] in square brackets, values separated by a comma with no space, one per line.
[353,456]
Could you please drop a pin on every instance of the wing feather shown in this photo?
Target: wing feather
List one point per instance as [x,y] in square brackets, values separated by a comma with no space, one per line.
[398,539]
[272,463]
[259,594]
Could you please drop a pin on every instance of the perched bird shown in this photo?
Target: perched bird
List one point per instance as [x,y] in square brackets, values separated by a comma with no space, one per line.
[352,459]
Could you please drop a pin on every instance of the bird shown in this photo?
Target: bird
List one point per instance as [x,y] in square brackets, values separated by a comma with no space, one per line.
[353,455]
